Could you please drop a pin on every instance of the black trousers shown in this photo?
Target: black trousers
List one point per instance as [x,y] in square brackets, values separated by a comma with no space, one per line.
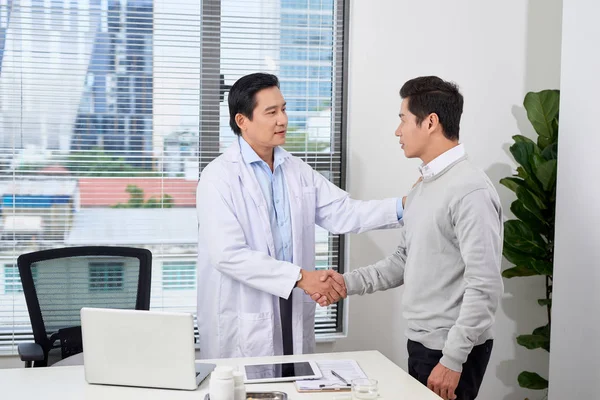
[285,307]
[422,360]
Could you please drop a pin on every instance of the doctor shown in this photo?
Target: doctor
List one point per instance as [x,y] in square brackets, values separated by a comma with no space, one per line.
[257,209]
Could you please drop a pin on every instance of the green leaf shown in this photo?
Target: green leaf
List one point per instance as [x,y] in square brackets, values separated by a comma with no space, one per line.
[515,256]
[542,330]
[523,152]
[526,267]
[518,235]
[517,271]
[521,173]
[512,183]
[526,147]
[531,380]
[535,187]
[541,267]
[533,342]
[542,108]
[537,160]
[551,152]
[531,202]
[522,139]
[545,302]
[519,210]
[531,184]
[546,174]
[543,142]
[555,129]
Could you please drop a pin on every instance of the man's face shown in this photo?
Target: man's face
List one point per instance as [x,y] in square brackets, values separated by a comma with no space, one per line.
[413,136]
[268,126]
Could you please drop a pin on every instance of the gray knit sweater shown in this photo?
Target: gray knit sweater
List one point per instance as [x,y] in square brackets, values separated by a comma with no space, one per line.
[448,260]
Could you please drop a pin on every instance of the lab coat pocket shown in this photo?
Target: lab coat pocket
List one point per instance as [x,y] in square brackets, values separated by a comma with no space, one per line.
[308,201]
[256,334]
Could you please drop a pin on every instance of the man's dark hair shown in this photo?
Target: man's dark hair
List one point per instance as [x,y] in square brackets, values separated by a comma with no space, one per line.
[242,96]
[430,94]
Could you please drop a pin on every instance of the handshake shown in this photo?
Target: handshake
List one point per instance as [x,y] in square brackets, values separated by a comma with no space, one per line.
[324,287]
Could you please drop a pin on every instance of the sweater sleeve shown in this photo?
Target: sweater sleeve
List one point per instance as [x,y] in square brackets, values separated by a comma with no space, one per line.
[384,274]
[478,226]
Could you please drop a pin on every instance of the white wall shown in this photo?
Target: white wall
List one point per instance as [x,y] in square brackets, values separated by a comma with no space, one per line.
[574,366]
[496,52]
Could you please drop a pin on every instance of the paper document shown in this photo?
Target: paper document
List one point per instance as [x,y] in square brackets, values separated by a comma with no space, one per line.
[346,369]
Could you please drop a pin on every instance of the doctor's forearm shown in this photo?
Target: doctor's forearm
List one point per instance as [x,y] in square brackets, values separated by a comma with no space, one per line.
[259,271]
[357,216]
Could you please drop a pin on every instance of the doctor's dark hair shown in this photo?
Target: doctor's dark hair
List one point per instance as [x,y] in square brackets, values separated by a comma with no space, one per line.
[430,94]
[242,96]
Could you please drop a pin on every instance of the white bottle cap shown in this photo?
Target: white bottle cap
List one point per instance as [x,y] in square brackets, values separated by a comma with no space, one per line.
[222,373]
[238,377]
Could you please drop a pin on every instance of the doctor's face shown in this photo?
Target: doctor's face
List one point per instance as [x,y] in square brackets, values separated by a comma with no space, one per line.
[413,136]
[268,125]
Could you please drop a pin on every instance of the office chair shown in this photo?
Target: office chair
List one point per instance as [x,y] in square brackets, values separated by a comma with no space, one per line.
[57,283]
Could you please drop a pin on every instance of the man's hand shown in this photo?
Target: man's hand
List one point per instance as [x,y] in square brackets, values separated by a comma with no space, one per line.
[443,382]
[330,275]
[317,282]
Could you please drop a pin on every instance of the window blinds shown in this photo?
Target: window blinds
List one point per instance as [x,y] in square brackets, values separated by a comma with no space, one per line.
[110,109]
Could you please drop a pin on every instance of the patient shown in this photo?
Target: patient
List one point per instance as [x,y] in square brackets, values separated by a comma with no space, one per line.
[450,248]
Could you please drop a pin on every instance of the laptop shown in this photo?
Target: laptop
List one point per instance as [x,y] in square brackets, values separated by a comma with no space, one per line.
[141,348]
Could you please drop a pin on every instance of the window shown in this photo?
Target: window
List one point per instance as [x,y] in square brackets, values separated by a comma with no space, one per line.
[178,275]
[301,41]
[105,276]
[307,71]
[111,108]
[12,278]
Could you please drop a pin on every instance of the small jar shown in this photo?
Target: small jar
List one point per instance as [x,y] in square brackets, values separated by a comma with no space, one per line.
[221,384]
[239,389]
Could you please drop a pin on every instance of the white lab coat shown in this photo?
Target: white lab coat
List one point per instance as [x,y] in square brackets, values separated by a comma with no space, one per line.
[239,281]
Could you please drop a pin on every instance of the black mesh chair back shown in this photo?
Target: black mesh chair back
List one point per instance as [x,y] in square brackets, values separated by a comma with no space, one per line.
[58,283]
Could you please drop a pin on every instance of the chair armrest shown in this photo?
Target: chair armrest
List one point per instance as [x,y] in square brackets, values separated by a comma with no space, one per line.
[30,352]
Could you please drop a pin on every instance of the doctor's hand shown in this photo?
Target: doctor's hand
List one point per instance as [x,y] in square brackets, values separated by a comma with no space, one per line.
[317,282]
[330,275]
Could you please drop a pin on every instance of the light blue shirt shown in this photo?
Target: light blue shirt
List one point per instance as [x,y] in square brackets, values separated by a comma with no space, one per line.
[274,189]
[399,209]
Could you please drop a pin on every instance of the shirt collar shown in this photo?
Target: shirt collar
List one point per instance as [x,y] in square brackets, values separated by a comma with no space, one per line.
[439,163]
[250,156]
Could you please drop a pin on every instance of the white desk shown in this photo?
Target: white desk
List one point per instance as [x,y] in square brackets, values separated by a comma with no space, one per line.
[64,383]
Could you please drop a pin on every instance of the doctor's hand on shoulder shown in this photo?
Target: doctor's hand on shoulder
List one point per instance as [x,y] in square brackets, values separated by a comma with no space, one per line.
[317,283]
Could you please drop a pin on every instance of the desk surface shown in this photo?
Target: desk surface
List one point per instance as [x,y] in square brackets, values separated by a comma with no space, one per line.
[64,383]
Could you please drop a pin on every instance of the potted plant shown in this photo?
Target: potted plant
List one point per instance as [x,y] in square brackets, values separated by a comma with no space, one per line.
[529,238]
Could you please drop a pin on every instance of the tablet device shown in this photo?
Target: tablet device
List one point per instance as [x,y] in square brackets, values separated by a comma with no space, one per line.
[281,371]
